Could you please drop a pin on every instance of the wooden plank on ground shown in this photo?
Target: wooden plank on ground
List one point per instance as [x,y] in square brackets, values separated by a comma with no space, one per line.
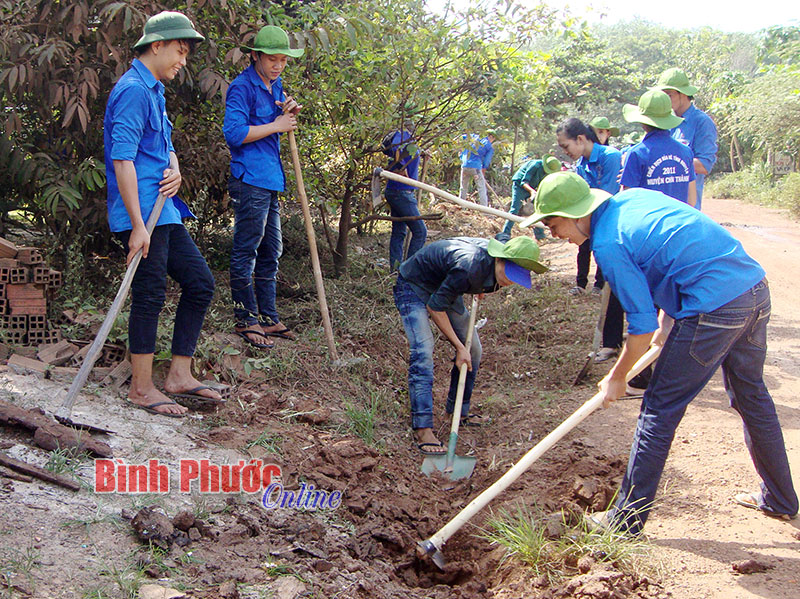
[39,473]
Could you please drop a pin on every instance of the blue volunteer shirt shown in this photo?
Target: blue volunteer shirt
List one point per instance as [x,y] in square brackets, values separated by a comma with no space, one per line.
[653,249]
[479,153]
[532,173]
[403,160]
[136,128]
[601,169]
[660,162]
[443,271]
[249,103]
[698,132]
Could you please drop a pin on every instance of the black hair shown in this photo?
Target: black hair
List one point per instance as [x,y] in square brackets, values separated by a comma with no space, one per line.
[137,52]
[573,127]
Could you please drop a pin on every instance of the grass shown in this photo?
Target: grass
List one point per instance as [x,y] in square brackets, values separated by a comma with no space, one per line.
[363,413]
[524,535]
[97,518]
[755,184]
[66,461]
[128,578]
[13,563]
[269,441]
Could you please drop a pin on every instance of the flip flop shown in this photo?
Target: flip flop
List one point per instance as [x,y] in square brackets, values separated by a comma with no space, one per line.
[282,334]
[151,408]
[751,500]
[191,399]
[243,335]
[423,451]
[474,420]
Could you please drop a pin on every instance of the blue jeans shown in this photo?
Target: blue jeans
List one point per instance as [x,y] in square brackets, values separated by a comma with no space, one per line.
[519,195]
[172,252]
[414,315]
[403,202]
[734,336]
[257,246]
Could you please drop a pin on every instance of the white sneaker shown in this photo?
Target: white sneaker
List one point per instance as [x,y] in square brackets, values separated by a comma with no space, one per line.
[577,290]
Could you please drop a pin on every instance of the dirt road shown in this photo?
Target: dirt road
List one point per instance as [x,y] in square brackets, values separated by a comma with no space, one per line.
[701,531]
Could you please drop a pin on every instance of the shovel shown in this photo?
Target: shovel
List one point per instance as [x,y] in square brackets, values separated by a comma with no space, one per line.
[598,334]
[432,547]
[65,410]
[379,172]
[453,466]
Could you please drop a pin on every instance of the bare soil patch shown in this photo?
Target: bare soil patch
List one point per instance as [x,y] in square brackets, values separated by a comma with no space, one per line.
[347,430]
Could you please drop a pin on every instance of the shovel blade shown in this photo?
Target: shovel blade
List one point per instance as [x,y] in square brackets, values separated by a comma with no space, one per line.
[462,467]
[585,370]
[81,426]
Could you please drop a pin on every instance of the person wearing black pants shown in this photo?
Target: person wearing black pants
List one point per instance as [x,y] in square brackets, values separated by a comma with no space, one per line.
[582,279]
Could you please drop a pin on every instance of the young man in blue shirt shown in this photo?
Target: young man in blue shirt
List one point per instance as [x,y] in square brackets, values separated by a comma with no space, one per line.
[659,161]
[655,251]
[475,159]
[141,163]
[523,187]
[256,113]
[432,283]
[402,199]
[697,129]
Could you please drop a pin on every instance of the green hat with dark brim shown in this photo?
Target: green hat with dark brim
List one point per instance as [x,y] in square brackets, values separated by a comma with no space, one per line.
[564,194]
[655,108]
[602,122]
[168,25]
[550,164]
[273,40]
[675,79]
[522,251]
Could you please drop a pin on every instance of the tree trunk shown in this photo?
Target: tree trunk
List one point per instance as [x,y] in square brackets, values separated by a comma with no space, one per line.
[514,149]
[738,150]
[345,220]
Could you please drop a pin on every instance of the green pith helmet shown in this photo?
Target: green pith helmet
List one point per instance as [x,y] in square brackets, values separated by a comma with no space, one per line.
[655,108]
[522,251]
[602,122]
[564,194]
[550,164]
[273,40]
[165,26]
[675,79]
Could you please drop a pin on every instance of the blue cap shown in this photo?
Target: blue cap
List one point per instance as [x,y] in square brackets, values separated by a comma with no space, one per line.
[517,274]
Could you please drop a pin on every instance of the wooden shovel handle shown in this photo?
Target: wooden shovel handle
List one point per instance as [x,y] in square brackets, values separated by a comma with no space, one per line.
[449,529]
[65,410]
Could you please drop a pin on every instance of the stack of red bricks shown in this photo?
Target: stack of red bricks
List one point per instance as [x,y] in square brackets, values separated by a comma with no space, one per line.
[26,283]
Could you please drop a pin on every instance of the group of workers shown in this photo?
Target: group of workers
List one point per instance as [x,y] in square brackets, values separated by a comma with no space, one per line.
[653,251]
[683,281]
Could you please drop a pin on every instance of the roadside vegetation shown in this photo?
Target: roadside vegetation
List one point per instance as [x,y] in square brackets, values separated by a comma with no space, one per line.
[757,185]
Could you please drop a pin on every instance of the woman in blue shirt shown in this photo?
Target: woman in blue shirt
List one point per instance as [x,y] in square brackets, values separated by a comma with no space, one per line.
[599,166]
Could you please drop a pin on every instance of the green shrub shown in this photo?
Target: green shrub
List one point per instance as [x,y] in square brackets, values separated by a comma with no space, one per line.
[755,184]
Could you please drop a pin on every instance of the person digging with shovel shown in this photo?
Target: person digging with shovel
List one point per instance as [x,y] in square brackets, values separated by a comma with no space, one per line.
[432,283]
[655,251]
[141,166]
